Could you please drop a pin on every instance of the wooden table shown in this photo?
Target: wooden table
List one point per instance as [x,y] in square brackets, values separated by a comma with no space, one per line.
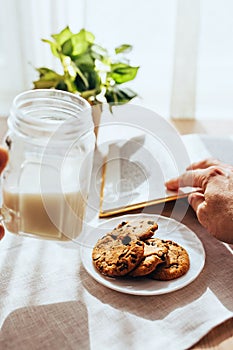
[221,337]
[210,127]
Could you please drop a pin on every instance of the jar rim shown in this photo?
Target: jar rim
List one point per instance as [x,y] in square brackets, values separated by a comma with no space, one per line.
[55,93]
[42,113]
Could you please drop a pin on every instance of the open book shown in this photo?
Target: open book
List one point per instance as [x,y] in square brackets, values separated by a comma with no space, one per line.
[134,171]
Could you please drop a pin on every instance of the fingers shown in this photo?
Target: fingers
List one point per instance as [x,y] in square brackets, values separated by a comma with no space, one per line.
[194,178]
[203,164]
[3,159]
[2,232]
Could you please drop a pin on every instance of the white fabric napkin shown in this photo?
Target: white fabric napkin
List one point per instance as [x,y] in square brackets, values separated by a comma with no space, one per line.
[64,308]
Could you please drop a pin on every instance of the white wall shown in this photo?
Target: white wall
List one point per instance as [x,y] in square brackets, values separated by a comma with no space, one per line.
[215,61]
[150,26]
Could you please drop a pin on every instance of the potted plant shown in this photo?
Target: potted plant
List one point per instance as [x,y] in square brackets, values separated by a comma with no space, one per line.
[88,69]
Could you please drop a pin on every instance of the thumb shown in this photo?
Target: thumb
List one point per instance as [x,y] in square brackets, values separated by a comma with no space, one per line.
[196,200]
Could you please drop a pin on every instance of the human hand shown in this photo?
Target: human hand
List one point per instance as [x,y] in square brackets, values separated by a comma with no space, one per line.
[213,202]
[3,161]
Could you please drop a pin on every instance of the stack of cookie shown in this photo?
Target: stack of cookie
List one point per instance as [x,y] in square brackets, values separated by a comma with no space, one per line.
[131,250]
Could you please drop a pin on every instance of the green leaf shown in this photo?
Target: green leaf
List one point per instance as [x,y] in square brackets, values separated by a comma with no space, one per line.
[44,70]
[121,72]
[92,78]
[63,36]
[67,48]
[47,73]
[85,60]
[87,36]
[62,86]
[48,78]
[98,52]
[119,95]
[53,46]
[59,39]
[127,93]
[126,48]
[78,43]
[74,46]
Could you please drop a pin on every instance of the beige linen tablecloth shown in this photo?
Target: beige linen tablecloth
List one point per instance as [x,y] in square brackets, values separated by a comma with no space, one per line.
[48,300]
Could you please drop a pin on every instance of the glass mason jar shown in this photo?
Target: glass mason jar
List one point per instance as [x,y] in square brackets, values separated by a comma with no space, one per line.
[46,182]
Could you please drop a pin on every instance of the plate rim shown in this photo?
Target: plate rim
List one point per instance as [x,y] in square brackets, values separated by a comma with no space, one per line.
[108,282]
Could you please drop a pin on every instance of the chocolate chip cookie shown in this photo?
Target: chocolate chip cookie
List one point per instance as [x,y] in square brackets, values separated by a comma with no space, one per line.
[115,255]
[176,264]
[154,254]
[141,228]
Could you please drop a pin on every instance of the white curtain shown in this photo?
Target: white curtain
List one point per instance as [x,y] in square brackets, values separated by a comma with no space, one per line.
[23,23]
[184,48]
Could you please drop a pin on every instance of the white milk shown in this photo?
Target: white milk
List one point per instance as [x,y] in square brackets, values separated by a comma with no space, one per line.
[49,204]
[53,215]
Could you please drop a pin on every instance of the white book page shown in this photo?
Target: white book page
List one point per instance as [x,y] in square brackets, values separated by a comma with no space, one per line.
[136,170]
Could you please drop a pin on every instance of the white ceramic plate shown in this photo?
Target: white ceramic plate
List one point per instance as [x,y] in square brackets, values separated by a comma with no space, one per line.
[168,229]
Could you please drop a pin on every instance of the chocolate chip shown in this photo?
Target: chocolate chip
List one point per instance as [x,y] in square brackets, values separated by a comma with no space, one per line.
[150,222]
[124,266]
[126,240]
[134,256]
[123,223]
[8,142]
